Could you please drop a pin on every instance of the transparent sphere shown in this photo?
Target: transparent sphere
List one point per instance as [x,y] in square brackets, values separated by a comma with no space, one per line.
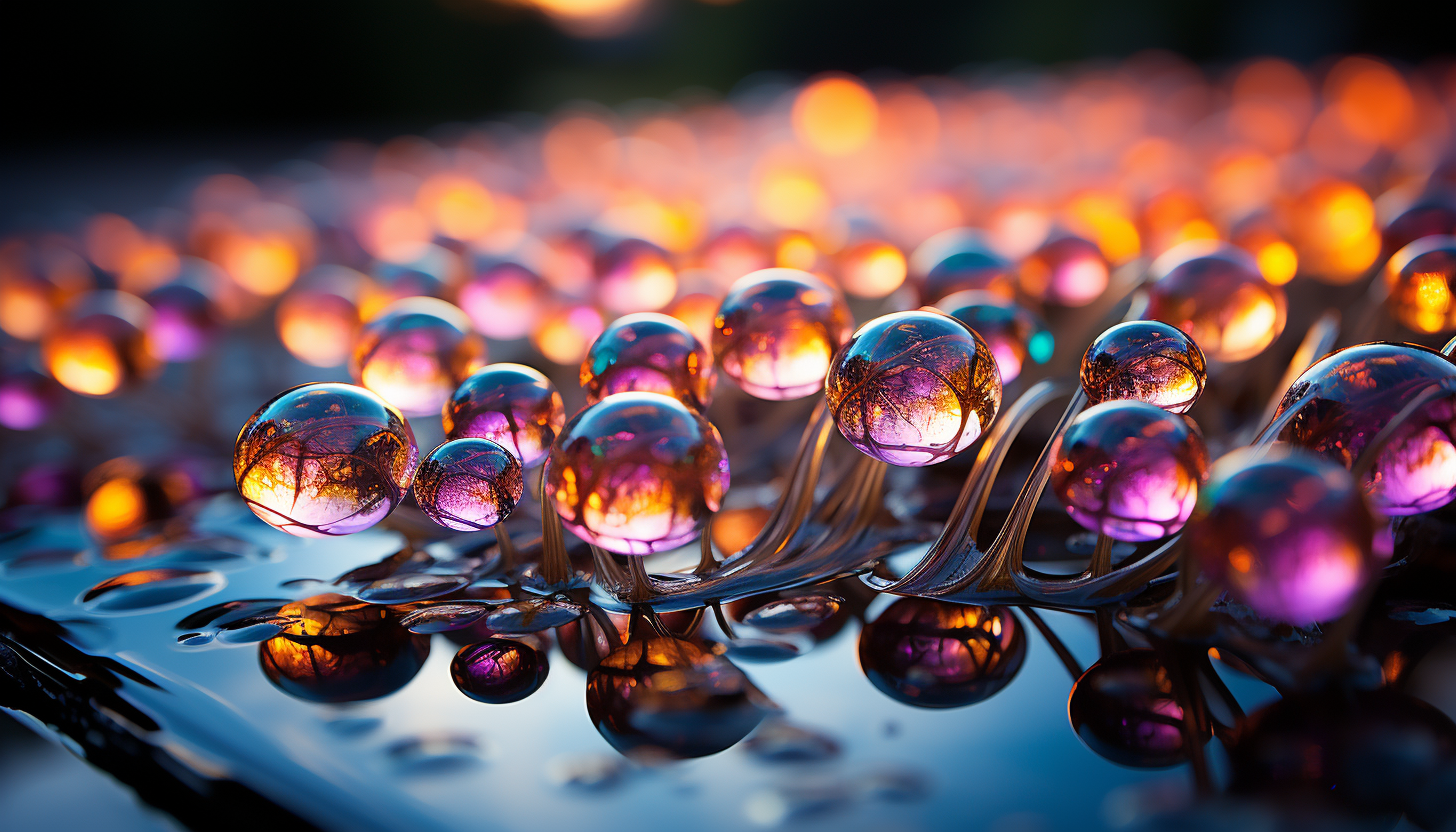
[1348,397]
[960,259]
[1421,278]
[933,654]
[338,649]
[499,670]
[1066,271]
[637,473]
[1432,215]
[635,276]
[512,405]
[1014,333]
[183,324]
[101,344]
[318,319]
[1289,533]
[670,698]
[651,353]
[777,331]
[1129,470]
[913,388]
[1124,709]
[567,332]
[324,459]
[697,311]
[415,353]
[469,484]
[1216,294]
[1148,361]
[504,300]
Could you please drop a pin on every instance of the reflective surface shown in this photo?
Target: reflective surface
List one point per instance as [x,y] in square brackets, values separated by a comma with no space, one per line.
[1217,295]
[512,405]
[415,352]
[650,353]
[776,332]
[1148,361]
[468,484]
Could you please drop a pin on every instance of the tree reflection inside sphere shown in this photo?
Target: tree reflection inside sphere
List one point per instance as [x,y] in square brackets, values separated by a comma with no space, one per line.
[914,388]
[415,353]
[777,331]
[1014,333]
[469,484]
[1123,708]
[324,459]
[1288,533]
[1348,397]
[932,654]
[1148,361]
[499,670]
[1420,278]
[669,698]
[1129,470]
[1217,295]
[512,405]
[637,473]
[650,353]
[337,649]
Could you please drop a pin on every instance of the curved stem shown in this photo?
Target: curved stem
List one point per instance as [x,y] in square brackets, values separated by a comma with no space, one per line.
[1055,642]
[1318,341]
[555,563]
[510,557]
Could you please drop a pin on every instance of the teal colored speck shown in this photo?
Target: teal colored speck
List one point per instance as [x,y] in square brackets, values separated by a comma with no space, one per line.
[1040,347]
[605,359]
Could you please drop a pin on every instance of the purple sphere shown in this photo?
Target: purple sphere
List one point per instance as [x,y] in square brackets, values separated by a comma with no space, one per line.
[498,670]
[469,484]
[1123,708]
[650,353]
[1149,361]
[512,405]
[932,654]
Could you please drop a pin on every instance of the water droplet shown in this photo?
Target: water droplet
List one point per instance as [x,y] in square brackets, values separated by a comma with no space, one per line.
[594,773]
[788,615]
[399,589]
[777,741]
[531,616]
[764,650]
[148,589]
[431,755]
[443,618]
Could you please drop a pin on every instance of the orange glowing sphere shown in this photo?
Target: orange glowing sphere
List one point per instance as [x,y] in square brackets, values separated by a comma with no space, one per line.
[635,276]
[835,116]
[101,345]
[1067,271]
[457,206]
[565,334]
[777,331]
[1422,278]
[1216,293]
[871,269]
[317,321]
[415,353]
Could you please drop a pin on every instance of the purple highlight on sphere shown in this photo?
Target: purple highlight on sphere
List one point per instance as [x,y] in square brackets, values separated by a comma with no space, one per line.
[499,670]
[914,388]
[415,353]
[27,399]
[1341,402]
[637,473]
[1124,709]
[504,300]
[932,654]
[512,405]
[1149,361]
[650,353]
[1129,470]
[183,322]
[469,484]
[1288,533]
[324,459]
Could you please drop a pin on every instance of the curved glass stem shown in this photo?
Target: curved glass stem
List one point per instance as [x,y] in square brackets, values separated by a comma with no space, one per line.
[1318,341]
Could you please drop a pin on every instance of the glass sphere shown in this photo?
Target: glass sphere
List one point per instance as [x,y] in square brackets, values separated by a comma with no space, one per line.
[337,649]
[1129,470]
[637,473]
[324,459]
[1014,333]
[777,331]
[651,353]
[913,388]
[669,698]
[318,319]
[635,276]
[499,670]
[1216,294]
[871,269]
[697,311]
[1352,394]
[101,345]
[1148,361]
[1288,533]
[504,300]
[932,654]
[469,484]
[960,259]
[567,332]
[1432,215]
[183,324]
[512,405]
[415,353]
[1066,271]
[1421,278]
[1123,708]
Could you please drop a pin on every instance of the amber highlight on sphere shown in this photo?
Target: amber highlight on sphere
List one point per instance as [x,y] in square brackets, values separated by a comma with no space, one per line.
[337,649]
[871,269]
[1066,271]
[1421,278]
[1149,361]
[1217,294]
[318,319]
[512,405]
[101,344]
[650,353]
[776,332]
[468,485]
[415,353]
[835,116]
[498,671]
[635,276]
[504,300]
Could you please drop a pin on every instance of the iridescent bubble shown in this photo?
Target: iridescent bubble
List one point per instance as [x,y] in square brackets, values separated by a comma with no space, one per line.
[637,473]
[1014,333]
[1216,293]
[1129,470]
[1148,361]
[512,405]
[1348,397]
[1066,271]
[932,654]
[498,670]
[913,388]
[958,260]
[669,698]
[635,276]
[504,300]
[777,331]
[1123,708]
[650,353]
[337,649]
[415,353]
[469,484]
[324,459]
[1288,533]
[101,344]
[1420,278]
